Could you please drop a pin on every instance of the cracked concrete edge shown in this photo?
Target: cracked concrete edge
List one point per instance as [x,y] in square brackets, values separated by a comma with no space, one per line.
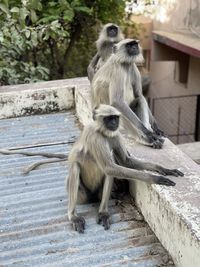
[170,212]
[29,99]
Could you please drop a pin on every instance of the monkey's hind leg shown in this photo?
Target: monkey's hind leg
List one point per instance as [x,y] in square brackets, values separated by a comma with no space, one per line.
[103,215]
[73,182]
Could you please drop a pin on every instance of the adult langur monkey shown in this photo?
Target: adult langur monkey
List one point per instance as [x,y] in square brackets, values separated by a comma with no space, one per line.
[110,34]
[96,158]
[118,83]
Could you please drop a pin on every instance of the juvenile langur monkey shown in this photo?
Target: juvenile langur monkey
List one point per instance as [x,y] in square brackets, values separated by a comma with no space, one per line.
[96,158]
[109,35]
[118,83]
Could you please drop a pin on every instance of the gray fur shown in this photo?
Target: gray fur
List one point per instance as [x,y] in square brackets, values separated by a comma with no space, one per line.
[104,49]
[93,165]
[118,83]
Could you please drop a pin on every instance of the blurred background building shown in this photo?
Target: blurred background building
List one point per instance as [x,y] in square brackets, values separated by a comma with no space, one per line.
[173,59]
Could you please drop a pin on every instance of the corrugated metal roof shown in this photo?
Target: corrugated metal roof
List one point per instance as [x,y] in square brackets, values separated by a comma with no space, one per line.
[34,230]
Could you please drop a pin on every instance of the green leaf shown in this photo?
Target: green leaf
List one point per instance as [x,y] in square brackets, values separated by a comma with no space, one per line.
[83,9]
[46,37]
[4,9]
[23,13]
[33,16]
[34,38]
[68,15]
[14,10]
[1,37]
[34,3]
[27,34]
[64,4]
[5,3]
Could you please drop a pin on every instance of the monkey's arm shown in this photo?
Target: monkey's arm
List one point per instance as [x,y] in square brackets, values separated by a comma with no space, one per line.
[131,162]
[103,215]
[142,106]
[154,125]
[104,158]
[91,67]
[129,117]
[72,184]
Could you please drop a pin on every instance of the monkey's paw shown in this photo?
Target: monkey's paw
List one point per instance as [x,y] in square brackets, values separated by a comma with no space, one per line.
[173,172]
[104,220]
[164,181]
[154,140]
[78,224]
[160,133]
[157,131]
[158,144]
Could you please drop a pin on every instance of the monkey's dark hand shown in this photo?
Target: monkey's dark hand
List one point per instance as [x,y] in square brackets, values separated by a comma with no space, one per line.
[154,140]
[157,131]
[104,220]
[158,144]
[173,172]
[78,224]
[163,181]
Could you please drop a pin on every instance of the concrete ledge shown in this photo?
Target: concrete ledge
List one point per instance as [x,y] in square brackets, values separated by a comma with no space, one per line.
[192,150]
[36,98]
[172,213]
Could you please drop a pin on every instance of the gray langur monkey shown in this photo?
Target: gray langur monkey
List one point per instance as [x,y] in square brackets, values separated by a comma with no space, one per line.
[97,158]
[118,83]
[109,35]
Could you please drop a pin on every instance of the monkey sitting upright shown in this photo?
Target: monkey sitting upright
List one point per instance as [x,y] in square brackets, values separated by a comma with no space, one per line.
[99,156]
[118,83]
[109,35]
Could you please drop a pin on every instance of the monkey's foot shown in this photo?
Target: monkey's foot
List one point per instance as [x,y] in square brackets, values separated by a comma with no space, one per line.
[164,181]
[173,172]
[104,220]
[78,224]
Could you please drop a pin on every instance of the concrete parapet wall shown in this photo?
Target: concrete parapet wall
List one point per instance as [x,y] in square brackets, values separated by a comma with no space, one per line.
[29,99]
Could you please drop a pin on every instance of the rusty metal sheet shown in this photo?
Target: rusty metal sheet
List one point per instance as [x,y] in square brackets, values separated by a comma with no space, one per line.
[34,230]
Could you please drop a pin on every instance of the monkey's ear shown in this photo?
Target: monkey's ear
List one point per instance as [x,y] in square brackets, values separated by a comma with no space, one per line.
[114,49]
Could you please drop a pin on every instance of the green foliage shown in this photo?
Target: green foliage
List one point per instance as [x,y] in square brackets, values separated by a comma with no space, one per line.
[41,40]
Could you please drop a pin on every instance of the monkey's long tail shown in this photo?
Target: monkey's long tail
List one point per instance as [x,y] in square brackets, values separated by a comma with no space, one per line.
[37,164]
[26,153]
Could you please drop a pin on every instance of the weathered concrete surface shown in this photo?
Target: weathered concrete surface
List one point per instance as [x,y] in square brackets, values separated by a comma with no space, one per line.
[28,99]
[172,213]
[192,150]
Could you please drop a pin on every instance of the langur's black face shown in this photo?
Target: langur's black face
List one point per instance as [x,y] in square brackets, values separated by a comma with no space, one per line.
[112,31]
[111,122]
[132,48]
